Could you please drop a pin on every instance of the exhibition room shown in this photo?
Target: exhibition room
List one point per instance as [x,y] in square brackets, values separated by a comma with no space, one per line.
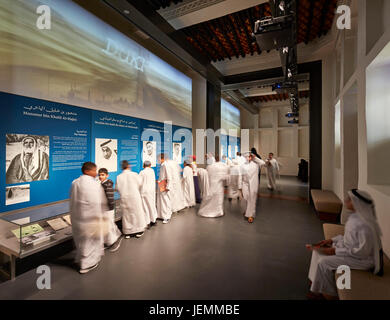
[186,150]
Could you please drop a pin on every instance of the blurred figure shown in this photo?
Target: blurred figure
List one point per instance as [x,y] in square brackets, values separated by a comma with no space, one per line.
[212,206]
[177,199]
[88,205]
[234,181]
[272,171]
[227,160]
[128,184]
[188,185]
[164,205]
[250,184]
[148,193]
[112,235]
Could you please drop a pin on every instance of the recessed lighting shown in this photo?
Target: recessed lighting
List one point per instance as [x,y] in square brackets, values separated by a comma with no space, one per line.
[126,11]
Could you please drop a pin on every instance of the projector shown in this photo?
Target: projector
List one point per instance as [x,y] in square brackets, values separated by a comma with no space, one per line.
[292,115]
[294,121]
[289,86]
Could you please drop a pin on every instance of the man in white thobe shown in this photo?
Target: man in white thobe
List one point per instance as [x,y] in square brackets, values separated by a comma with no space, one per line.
[250,184]
[148,193]
[235,181]
[188,185]
[204,185]
[177,199]
[272,166]
[128,184]
[359,248]
[241,160]
[88,204]
[212,206]
[164,193]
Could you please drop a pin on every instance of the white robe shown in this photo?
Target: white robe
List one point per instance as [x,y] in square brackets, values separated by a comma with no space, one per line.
[204,184]
[188,186]
[128,184]
[164,206]
[212,206]
[272,173]
[234,182]
[177,194]
[88,204]
[250,185]
[148,194]
[355,249]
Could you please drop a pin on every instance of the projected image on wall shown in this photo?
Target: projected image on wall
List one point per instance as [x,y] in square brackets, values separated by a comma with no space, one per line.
[230,117]
[27,158]
[85,62]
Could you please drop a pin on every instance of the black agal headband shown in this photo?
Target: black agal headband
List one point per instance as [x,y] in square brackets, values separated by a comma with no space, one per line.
[357,194]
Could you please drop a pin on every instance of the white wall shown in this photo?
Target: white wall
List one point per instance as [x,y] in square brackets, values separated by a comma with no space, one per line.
[356,50]
[289,143]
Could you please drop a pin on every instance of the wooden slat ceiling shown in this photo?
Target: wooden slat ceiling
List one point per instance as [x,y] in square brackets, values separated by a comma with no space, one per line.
[230,36]
[277,97]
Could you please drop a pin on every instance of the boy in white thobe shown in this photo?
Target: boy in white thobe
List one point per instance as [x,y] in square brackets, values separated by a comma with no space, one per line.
[112,235]
[128,184]
[188,185]
[87,207]
[148,193]
[212,206]
[272,171]
[250,184]
[164,205]
[359,248]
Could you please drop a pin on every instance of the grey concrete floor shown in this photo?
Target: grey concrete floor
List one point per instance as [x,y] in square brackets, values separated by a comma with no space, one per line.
[287,186]
[195,258]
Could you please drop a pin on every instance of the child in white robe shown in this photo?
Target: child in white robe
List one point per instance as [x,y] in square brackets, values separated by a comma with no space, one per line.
[112,235]
[359,248]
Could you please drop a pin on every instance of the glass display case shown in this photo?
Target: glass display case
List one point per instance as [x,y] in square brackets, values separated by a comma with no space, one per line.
[25,232]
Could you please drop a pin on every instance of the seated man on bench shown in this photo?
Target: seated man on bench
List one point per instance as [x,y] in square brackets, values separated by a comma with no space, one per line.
[360,248]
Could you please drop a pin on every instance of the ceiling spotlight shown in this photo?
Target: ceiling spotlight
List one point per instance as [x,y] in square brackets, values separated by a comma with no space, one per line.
[126,11]
[281,5]
[285,49]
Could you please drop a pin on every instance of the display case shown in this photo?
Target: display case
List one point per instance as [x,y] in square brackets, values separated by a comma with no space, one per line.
[25,232]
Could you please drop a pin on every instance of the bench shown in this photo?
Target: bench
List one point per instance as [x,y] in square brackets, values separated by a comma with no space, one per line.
[327,205]
[364,284]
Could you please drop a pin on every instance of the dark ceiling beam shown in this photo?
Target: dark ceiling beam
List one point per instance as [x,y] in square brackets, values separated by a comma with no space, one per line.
[235,35]
[214,36]
[226,36]
[311,14]
[145,18]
